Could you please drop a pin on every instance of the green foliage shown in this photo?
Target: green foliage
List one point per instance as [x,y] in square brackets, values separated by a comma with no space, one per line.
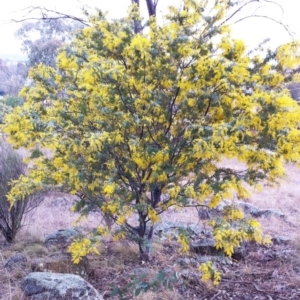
[4,110]
[141,122]
[12,101]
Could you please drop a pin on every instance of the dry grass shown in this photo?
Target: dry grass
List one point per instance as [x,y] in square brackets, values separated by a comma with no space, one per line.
[55,214]
[164,295]
[10,280]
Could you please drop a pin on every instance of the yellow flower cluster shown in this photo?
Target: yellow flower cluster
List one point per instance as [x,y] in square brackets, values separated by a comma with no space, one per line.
[210,273]
[153,216]
[80,248]
[184,242]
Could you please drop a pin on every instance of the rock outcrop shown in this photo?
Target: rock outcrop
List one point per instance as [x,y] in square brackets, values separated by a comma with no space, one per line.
[61,238]
[61,263]
[16,261]
[53,286]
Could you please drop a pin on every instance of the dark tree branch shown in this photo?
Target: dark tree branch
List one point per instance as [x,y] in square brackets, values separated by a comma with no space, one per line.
[44,15]
[137,23]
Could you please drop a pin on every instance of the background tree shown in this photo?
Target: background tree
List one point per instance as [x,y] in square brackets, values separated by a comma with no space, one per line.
[41,39]
[12,77]
[141,122]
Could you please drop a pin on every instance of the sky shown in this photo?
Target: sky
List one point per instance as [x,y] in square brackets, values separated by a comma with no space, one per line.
[252,30]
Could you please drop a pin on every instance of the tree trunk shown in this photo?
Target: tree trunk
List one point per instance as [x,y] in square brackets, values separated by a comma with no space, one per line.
[146,234]
[151,8]
[145,245]
[145,237]
[151,11]
[137,24]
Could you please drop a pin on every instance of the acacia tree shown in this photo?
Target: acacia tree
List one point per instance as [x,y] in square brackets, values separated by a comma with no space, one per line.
[140,122]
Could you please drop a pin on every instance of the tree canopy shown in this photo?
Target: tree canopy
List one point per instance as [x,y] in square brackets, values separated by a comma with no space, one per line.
[141,122]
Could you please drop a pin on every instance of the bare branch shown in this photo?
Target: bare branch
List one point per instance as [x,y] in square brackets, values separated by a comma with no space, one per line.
[44,15]
[238,10]
[254,15]
[286,27]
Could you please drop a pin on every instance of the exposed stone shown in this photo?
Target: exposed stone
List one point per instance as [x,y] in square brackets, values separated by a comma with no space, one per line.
[168,228]
[207,247]
[17,261]
[281,240]
[204,247]
[62,263]
[257,212]
[51,286]
[225,260]
[190,276]
[185,262]
[61,238]
[249,209]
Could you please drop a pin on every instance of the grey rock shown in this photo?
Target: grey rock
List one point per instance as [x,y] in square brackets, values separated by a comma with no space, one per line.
[62,263]
[225,260]
[190,276]
[281,240]
[167,228]
[248,208]
[16,261]
[273,213]
[61,238]
[257,212]
[251,209]
[185,262]
[204,247]
[52,286]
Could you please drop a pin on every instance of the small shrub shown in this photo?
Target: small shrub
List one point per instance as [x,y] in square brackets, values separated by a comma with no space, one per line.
[12,217]
[12,101]
[4,110]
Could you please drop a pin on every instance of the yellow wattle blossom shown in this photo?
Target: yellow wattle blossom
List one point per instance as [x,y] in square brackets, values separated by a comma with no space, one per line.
[153,216]
[121,219]
[184,242]
[210,273]
[120,235]
[109,188]
[81,248]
